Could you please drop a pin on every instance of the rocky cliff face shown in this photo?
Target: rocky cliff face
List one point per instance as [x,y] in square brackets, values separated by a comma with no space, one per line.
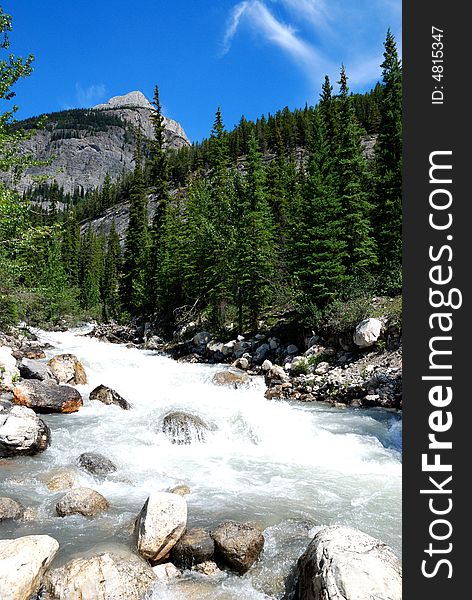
[82,156]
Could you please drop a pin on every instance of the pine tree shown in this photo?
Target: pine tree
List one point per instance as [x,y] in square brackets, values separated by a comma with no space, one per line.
[110,280]
[133,290]
[71,248]
[351,171]
[255,264]
[158,174]
[90,269]
[388,162]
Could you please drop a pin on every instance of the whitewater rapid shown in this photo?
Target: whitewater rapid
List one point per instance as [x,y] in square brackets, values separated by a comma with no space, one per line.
[288,467]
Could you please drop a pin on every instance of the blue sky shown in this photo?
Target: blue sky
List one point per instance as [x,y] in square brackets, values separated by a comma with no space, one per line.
[252,57]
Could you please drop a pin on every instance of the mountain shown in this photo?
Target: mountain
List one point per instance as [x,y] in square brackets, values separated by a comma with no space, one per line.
[84,145]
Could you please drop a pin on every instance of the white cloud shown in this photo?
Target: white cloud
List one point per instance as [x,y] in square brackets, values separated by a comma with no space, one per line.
[256,14]
[89,95]
[314,11]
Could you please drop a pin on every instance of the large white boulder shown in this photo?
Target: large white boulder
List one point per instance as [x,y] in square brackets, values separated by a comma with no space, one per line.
[22,432]
[367,332]
[67,368]
[160,525]
[342,563]
[23,562]
[106,576]
[9,372]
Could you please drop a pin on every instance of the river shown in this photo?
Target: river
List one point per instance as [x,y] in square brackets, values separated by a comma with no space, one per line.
[289,467]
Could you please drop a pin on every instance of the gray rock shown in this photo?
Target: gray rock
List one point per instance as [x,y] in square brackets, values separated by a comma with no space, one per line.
[261,353]
[194,547]
[34,369]
[183,428]
[22,432]
[11,510]
[23,562]
[231,378]
[106,576]
[107,395]
[160,524]
[96,463]
[47,396]
[238,544]
[81,501]
[342,563]
[292,349]
[201,339]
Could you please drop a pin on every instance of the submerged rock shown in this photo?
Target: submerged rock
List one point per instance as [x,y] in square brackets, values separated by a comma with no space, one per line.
[96,463]
[67,368]
[60,480]
[232,378]
[194,547]
[181,490]
[11,510]
[166,572]
[106,576]
[160,525]
[22,432]
[184,428]
[23,562]
[107,395]
[81,501]
[238,544]
[342,563]
[47,397]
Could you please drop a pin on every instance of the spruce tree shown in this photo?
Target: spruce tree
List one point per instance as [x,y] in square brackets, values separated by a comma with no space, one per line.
[135,263]
[110,279]
[91,270]
[351,172]
[388,162]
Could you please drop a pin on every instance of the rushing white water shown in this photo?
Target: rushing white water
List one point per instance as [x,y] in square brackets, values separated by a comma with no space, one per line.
[287,467]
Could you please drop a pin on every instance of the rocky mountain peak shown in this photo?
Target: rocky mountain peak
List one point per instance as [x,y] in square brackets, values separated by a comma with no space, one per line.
[132,99]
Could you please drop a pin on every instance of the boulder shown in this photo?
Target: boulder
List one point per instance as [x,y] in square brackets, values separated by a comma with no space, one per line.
[228,348]
[106,576]
[22,432]
[367,333]
[181,490]
[9,372]
[233,378]
[34,369]
[208,568]
[107,395]
[47,397]
[96,463]
[238,544]
[183,428]
[60,480]
[292,349]
[160,525]
[66,368]
[81,501]
[261,353]
[241,363]
[23,562]
[322,368]
[342,563]
[194,547]
[266,365]
[166,572]
[201,339]
[11,510]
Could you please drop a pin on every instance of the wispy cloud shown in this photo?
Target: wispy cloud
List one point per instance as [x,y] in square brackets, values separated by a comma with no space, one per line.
[89,95]
[314,11]
[263,22]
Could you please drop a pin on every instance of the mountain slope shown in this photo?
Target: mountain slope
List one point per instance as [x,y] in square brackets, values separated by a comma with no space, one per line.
[83,146]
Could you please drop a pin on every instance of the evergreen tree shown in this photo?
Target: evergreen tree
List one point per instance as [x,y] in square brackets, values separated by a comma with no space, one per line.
[352,182]
[388,162]
[133,289]
[91,257]
[110,280]
[71,248]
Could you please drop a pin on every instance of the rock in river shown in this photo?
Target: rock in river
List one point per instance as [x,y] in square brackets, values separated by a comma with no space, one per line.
[22,432]
[11,510]
[342,563]
[23,562]
[107,395]
[67,368]
[34,369]
[184,428]
[106,576]
[194,547]
[160,525]
[238,544]
[233,378]
[81,501]
[96,463]
[47,397]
